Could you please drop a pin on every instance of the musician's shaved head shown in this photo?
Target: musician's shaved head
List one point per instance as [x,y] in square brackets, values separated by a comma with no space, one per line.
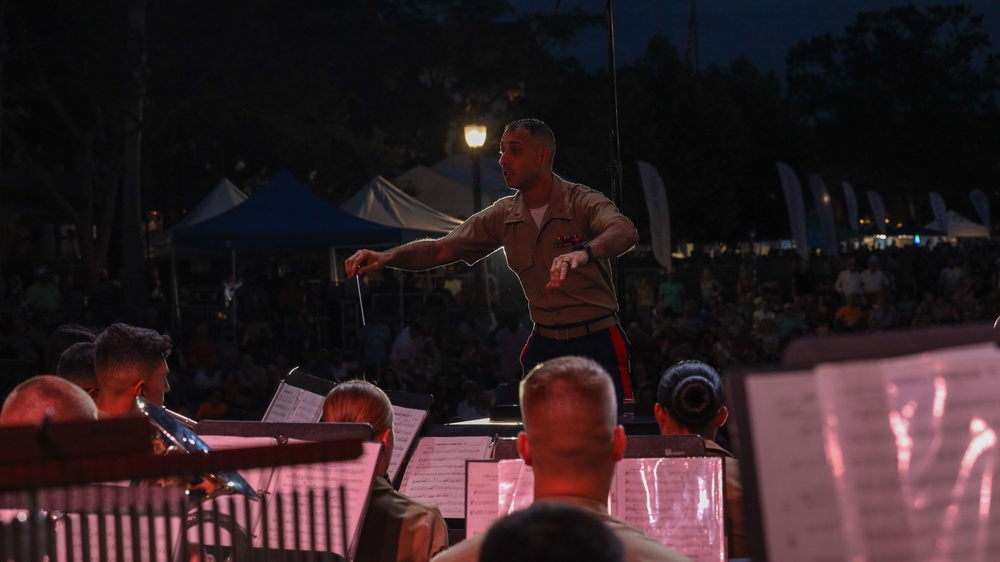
[47,397]
[571,433]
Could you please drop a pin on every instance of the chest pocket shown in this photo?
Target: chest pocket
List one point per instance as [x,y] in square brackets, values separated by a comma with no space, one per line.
[519,259]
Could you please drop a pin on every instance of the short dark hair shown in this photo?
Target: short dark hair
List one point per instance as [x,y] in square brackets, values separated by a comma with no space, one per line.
[122,345]
[61,338]
[551,532]
[691,392]
[537,128]
[77,365]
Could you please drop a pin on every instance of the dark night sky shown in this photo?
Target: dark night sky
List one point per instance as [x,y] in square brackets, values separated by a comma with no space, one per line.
[761,29]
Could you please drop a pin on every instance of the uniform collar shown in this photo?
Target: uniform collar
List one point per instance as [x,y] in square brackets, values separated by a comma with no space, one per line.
[559,205]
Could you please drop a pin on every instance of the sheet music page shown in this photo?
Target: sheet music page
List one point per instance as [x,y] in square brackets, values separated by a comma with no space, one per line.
[405,425]
[517,485]
[481,496]
[798,500]
[308,408]
[436,472]
[315,523]
[677,500]
[916,443]
[101,540]
[509,485]
[283,403]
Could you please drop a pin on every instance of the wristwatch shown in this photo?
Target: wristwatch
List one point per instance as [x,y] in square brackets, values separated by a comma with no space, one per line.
[585,246]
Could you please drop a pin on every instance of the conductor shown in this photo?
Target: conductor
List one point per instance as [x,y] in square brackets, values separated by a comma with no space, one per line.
[558,238]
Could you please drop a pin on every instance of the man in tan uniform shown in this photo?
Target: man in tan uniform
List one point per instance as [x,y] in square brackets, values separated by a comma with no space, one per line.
[558,237]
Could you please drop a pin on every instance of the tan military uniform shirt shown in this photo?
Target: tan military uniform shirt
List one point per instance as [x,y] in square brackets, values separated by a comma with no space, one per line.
[575,214]
[638,547]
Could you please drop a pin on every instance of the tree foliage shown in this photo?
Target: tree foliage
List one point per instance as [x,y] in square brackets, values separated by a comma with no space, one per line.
[903,102]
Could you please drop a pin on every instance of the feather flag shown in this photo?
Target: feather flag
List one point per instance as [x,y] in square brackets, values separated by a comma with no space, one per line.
[982,206]
[796,208]
[852,206]
[878,210]
[940,211]
[659,213]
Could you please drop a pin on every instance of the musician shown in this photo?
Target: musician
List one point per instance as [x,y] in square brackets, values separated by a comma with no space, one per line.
[76,365]
[46,397]
[396,528]
[130,361]
[689,401]
[572,442]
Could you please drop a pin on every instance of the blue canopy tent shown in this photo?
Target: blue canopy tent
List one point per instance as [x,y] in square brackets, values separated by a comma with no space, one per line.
[284,214]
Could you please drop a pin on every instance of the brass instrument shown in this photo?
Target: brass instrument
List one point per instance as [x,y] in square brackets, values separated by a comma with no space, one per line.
[182,418]
[173,434]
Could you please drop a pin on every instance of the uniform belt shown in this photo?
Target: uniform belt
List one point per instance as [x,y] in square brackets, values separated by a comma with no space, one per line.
[570,331]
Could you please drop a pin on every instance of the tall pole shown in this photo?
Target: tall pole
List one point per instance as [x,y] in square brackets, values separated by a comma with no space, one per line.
[480,284]
[477,182]
[475,137]
[615,165]
[134,270]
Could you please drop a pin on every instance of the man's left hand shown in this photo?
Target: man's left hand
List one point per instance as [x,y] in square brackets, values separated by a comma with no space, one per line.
[562,265]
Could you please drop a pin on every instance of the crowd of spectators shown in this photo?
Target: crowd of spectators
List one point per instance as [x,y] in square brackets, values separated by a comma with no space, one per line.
[727,311]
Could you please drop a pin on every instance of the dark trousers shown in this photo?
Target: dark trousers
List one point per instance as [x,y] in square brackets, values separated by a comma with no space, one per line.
[609,347]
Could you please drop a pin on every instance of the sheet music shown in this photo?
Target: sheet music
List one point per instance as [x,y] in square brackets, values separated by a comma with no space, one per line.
[678,500]
[798,500]
[294,404]
[405,426]
[915,440]
[436,471]
[355,476]
[517,485]
[481,496]
[101,542]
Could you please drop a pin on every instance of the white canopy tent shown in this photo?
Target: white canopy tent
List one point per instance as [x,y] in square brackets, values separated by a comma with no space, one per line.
[223,197]
[447,186]
[381,202]
[960,227]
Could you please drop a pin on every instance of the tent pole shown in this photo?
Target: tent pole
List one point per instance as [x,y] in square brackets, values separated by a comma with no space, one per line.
[232,254]
[334,275]
[175,295]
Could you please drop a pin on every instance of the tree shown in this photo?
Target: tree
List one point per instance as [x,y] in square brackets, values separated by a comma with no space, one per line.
[64,112]
[904,102]
[713,136]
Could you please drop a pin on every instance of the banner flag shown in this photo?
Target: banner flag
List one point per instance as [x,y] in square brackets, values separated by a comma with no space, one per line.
[796,208]
[659,213]
[878,210]
[852,206]
[982,206]
[821,198]
[940,211]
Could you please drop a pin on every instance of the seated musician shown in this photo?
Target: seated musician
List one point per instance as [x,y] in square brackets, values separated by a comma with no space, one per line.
[689,401]
[46,398]
[396,527]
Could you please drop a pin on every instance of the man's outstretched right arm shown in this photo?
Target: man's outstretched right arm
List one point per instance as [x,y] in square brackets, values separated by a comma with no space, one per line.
[413,256]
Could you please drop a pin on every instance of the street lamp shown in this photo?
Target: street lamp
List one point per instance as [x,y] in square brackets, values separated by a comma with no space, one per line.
[475,137]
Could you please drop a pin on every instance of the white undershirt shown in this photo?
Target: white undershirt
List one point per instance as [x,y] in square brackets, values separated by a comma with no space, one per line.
[538,214]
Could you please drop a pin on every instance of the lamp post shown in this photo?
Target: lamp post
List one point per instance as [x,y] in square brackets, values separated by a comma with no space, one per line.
[475,137]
